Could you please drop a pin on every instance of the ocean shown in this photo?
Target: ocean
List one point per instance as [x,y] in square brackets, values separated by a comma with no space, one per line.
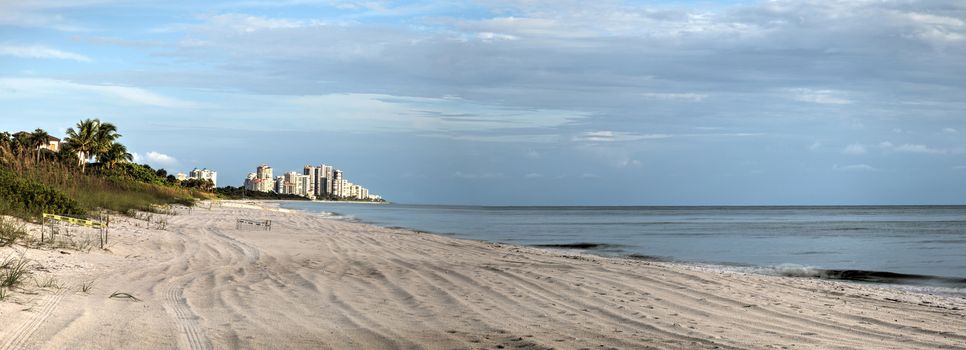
[915,245]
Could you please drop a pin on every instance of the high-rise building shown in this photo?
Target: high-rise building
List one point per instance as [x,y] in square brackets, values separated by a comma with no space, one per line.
[325,180]
[264,180]
[204,174]
[305,188]
[279,185]
[315,177]
[291,181]
[337,182]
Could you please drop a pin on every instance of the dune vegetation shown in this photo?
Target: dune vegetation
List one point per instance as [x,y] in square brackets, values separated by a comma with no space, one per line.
[88,171]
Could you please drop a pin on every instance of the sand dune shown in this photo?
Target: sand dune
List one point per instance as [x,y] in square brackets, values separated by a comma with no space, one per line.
[313,282]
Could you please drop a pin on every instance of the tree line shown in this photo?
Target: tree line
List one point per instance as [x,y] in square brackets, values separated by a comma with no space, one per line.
[89,140]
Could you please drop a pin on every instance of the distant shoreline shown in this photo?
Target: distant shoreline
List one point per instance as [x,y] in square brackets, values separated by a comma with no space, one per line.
[361,202]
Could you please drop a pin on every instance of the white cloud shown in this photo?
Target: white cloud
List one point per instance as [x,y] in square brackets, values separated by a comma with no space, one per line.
[815,145]
[854,149]
[155,159]
[960,167]
[855,167]
[832,97]
[41,87]
[490,36]
[41,52]
[249,24]
[616,136]
[915,148]
[692,97]
[950,131]
[446,113]
[629,163]
[533,176]
[885,144]
[533,154]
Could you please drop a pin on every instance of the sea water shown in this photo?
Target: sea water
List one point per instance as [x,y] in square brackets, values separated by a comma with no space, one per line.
[923,245]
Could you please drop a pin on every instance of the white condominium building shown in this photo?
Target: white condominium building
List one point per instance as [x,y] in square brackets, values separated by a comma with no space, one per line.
[204,174]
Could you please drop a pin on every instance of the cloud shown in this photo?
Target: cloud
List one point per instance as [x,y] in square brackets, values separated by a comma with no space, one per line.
[41,87]
[950,131]
[831,97]
[41,52]
[42,14]
[243,23]
[490,37]
[690,97]
[854,149]
[629,163]
[815,145]
[855,168]
[447,113]
[616,136]
[533,176]
[155,159]
[916,148]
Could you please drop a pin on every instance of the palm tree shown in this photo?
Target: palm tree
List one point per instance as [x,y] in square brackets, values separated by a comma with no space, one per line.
[114,155]
[39,140]
[84,140]
[21,144]
[104,139]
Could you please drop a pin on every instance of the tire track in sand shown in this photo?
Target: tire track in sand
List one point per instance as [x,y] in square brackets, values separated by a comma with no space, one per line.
[19,338]
[192,335]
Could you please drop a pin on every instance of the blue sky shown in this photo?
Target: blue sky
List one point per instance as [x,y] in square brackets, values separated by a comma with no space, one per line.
[517,102]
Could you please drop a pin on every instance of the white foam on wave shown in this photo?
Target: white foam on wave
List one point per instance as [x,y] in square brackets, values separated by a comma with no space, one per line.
[786,270]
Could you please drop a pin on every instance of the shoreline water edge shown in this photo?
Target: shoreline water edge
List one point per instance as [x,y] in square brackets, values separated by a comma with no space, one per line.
[925,283]
[314,282]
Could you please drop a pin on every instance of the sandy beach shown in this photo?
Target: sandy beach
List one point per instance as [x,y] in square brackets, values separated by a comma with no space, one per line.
[314,282]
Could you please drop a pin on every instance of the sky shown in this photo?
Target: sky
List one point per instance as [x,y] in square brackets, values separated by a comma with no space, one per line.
[517,102]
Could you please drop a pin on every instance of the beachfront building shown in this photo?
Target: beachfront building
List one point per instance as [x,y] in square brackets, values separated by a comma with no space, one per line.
[313,172]
[53,143]
[323,181]
[305,186]
[204,174]
[327,174]
[337,182]
[278,185]
[263,178]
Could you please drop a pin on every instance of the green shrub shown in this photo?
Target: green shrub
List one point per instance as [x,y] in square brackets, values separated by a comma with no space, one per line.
[23,195]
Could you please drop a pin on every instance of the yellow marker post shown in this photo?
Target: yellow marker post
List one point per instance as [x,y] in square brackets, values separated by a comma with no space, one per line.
[73,221]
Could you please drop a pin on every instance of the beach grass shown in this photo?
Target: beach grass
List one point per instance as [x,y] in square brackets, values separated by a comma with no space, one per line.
[30,190]
[10,231]
[87,286]
[13,270]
